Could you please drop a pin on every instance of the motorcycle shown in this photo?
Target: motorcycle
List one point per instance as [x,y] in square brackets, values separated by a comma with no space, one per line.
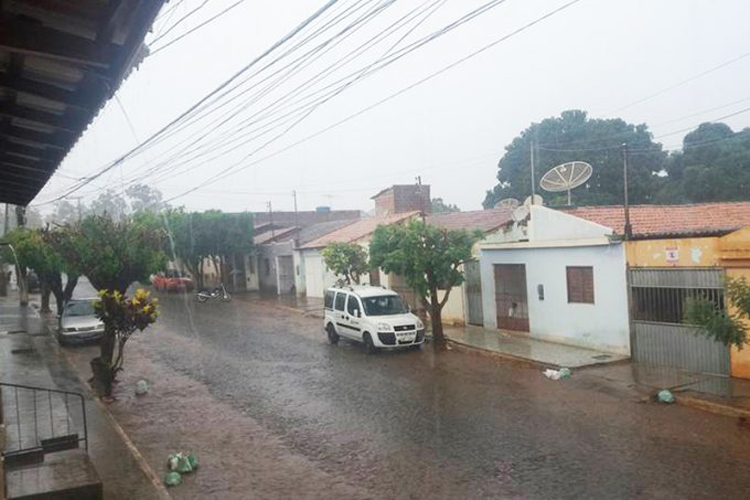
[217,293]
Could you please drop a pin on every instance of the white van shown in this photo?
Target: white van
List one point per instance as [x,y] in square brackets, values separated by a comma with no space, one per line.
[375,316]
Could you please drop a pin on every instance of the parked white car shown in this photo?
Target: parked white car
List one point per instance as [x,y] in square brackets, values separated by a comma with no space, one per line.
[375,316]
[78,322]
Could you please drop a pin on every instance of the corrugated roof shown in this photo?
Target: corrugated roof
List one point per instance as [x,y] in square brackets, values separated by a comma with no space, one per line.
[283,234]
[310,233]
[483,220]
[697,219]
[358,230]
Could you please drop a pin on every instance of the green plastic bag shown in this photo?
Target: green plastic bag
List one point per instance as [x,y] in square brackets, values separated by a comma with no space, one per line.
[183,464]
[193,460]
[666,397]
[172,479]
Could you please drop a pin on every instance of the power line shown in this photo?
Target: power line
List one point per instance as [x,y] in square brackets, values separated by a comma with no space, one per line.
[359,73]
[287,37]
[177,23]
[230,170]
[680,83]
[194,29]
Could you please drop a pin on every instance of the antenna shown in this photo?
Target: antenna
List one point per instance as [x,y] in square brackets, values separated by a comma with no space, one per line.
[520,213]
[566,177]
[507,203]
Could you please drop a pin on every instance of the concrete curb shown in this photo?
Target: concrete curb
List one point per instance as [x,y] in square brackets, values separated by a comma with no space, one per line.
[142,463]
[313,314]
[711,406]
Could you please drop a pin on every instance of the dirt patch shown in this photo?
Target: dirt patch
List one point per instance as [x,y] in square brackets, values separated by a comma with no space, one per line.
[239,459]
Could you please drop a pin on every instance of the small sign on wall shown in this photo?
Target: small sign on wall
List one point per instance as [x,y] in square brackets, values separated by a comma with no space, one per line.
[673,254]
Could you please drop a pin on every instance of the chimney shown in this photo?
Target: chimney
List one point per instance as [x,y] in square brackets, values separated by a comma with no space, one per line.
[401,198]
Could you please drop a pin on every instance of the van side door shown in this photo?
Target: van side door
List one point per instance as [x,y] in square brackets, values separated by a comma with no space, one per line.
[354,315]
[339,313]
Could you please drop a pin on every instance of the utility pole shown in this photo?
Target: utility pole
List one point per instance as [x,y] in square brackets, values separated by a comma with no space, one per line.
[5,225]
[533,182]
[421,198]
[628,227]
[296,216]
[270,219]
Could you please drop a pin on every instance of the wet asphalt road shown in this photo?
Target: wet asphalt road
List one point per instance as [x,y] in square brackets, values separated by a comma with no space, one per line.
[417,424]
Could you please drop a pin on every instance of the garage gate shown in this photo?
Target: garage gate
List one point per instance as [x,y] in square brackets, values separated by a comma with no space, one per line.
[659,336]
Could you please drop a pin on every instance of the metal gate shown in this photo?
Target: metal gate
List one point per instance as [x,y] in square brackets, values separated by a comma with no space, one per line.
[659,336]
[510,297]
[474,315]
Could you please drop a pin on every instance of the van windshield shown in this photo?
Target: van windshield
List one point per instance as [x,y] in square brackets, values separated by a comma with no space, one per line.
[384,305]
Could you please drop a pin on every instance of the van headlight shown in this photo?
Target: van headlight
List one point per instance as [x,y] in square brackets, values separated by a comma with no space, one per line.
[384,327]
[420,325]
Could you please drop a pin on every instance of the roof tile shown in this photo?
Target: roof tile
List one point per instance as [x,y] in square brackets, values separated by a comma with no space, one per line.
[670,220]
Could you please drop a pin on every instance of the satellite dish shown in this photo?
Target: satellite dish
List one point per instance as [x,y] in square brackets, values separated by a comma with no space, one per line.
[535,200]
[520,213]
[566,177]
[507,203]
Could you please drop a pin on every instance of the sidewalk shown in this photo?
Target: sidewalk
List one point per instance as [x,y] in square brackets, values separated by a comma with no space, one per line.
[523,348]
[32,357]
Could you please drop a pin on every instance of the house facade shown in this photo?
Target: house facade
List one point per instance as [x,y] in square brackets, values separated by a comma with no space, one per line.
[558,278]
[677,252]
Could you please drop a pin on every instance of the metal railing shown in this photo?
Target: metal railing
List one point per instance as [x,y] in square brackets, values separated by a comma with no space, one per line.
[39,421]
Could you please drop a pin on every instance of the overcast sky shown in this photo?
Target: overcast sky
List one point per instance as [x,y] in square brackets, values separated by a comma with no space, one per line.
[597,55]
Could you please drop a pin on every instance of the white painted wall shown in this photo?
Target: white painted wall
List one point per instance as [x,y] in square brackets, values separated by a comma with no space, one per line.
[251,272]
[602,325]
[546,224]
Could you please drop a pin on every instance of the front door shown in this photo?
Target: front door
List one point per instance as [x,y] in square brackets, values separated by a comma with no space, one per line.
[510,297]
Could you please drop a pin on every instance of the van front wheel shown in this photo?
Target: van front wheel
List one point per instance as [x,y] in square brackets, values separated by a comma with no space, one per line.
[369,345]
[333,337]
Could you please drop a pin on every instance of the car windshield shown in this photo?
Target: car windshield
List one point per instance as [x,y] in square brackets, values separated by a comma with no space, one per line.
[384,305]
[82,308]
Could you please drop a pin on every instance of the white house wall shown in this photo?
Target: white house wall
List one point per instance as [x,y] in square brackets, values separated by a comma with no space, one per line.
[546,224]
[602,325]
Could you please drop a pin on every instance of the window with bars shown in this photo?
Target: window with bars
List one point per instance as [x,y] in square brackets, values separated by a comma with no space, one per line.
[580,284]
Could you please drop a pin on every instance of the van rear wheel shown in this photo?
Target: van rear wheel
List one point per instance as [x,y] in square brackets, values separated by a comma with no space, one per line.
[369,345]
[333,337]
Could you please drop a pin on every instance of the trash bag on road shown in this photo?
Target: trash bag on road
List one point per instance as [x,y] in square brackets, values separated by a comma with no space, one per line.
[172,479]
[665,396]
[141,388]
[557,374]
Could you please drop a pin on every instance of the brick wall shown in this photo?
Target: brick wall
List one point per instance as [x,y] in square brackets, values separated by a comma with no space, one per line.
[403,198]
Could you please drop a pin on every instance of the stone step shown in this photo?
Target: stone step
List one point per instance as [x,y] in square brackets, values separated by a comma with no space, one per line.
[67,476]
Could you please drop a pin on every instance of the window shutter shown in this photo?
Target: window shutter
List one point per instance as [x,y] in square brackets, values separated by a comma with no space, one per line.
[580,284]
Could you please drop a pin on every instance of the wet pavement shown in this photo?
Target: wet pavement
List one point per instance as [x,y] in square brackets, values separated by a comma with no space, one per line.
[449,425]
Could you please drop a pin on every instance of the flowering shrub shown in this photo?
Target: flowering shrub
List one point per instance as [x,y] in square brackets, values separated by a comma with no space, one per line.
[122,316]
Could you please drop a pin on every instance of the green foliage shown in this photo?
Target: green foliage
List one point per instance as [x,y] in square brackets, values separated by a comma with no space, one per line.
[713,166]
[34,252]
[123,316]
[439,206]
[596,141]
[717,323]
[347,260]
[427,257]
[144,198]
[113,254]
[194,236]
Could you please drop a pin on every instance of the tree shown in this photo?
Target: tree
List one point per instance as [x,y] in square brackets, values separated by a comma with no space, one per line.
[714,165]
[714,321]
[573,136]
[214,235]
[144,198]
[113,255]
[111,204]
[429,258]
[348,260]
[438,206]
[65,212]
